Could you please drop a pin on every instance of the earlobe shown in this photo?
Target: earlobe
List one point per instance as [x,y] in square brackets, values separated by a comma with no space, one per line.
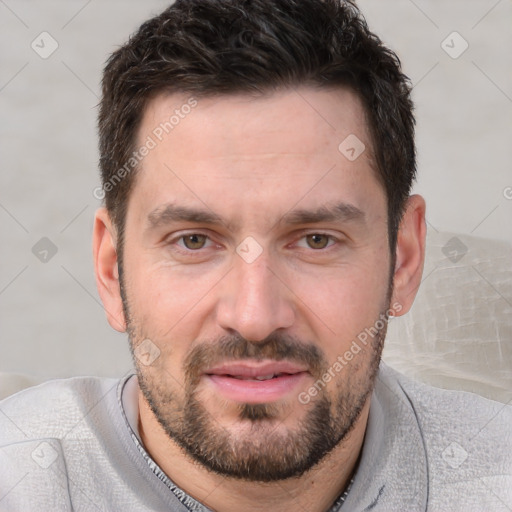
[410,255]
[106,269]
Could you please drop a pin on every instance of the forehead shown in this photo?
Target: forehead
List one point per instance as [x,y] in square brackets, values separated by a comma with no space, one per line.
[300,119]
[244,151]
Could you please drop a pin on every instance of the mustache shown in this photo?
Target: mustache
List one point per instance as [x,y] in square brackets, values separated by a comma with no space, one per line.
[275,347]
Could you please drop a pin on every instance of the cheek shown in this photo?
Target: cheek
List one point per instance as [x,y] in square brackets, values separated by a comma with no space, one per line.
[343,304]
[168,304]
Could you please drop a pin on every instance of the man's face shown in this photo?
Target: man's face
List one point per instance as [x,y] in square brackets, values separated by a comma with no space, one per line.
[255,252]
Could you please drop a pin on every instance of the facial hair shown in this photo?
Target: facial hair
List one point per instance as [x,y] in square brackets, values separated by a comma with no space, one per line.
[266,451]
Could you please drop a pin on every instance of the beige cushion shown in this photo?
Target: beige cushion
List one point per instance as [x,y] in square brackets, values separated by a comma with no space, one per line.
[458,334]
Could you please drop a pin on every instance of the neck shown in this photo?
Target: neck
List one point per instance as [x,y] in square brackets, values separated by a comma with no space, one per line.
[315,491]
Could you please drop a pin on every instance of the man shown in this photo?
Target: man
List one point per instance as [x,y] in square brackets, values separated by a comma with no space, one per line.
[257,160]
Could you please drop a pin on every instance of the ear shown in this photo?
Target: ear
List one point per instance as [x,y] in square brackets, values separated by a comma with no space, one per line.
[106,271]
[410,255]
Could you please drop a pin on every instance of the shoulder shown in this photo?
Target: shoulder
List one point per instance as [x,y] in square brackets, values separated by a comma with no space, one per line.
[42,429]
[52,408]
[37,427]
[449,411]
[467,441]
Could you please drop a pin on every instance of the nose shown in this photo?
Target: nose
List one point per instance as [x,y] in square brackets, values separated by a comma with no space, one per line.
[254,301]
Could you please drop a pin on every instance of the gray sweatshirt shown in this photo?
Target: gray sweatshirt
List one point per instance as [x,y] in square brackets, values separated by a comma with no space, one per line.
[72,445]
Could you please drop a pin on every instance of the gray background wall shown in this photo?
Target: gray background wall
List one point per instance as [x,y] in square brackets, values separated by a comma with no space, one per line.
[51,320]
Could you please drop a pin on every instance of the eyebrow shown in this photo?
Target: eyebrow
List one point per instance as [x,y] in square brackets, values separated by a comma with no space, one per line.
[336,212]
[172,213]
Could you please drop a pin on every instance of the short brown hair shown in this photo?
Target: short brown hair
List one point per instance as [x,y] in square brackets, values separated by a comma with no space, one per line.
[220,47]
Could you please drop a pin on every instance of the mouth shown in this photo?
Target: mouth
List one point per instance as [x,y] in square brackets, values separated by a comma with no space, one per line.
[256,381]
[260,377]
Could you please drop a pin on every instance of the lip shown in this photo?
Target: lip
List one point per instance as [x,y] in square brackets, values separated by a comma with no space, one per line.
[252,369]
[229,379]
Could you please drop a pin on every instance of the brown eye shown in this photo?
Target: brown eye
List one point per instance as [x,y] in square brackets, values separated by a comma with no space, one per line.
[317,241]
[195,241]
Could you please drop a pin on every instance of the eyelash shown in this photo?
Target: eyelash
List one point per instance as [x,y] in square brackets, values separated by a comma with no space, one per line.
[175,241]
[331,240]
[182,237]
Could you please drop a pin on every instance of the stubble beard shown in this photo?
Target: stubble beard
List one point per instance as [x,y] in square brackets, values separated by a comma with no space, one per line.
[264,450]
[266,454]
